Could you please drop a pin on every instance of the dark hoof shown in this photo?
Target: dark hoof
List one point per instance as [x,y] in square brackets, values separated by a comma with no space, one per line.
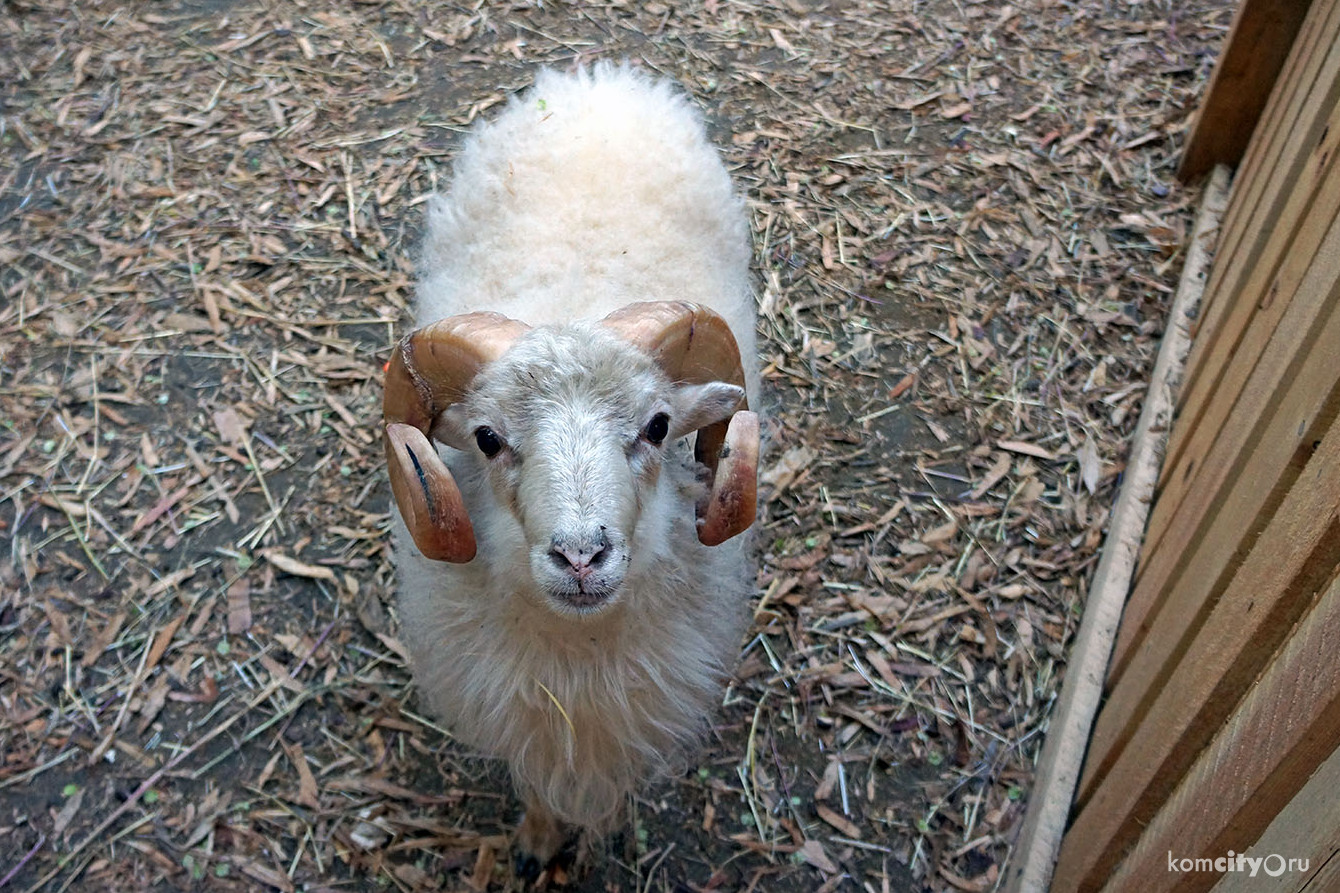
[527,867]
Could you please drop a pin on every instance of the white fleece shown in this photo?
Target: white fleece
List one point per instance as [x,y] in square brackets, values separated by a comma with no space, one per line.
[588,192]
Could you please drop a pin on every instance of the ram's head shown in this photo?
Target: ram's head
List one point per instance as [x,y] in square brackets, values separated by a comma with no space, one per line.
[571,425]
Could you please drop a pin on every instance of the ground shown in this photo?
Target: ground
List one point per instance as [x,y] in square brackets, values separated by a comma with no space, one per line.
[968,231]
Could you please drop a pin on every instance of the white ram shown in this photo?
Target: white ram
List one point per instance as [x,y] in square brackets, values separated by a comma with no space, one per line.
[572,587]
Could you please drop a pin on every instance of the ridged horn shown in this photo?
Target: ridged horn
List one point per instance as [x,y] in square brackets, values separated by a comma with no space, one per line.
[694,345]
[430,369]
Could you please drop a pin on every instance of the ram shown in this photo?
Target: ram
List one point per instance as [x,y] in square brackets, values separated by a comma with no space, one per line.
[573,579]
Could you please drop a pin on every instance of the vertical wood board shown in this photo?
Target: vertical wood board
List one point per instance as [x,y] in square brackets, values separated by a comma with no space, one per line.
[1283,730]
[1304,96]
[1308,828]
[1289,393]
[1281,109]
[1294,558]
[1258,44]
[1173,515]
[1235,347]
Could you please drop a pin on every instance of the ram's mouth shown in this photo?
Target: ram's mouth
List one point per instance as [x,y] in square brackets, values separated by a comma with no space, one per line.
[585,597]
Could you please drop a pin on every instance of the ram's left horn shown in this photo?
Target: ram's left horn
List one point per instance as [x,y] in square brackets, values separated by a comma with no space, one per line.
[694,345]
[430,369]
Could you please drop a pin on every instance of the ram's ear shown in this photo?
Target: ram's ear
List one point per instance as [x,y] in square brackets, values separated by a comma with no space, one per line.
[700,405]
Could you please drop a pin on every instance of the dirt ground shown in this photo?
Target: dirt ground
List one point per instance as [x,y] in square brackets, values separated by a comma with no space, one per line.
[968,231]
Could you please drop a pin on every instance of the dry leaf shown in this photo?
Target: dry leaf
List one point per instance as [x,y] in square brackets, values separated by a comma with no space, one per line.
[786,469]
[308,794]
[187,322]
[1090,465]
[994,475]
[297,568]
[846,826]
[1027,449]
[485,859]
[813,853]
[69,809]
[162,641]
[230,427]
[239,607]
[64,324]
[940,433]
[902,386]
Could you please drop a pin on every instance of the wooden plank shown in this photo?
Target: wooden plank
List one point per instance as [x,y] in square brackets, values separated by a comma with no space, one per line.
[1308,828]
[1298,173]
[1307,208]
[1258,43]
[1284,728]
[1295,557]
[1300,390]
[1316,203]
[1327,880]
[1283,110]
[1281,113]
[1263,141]
[1058,768]
[1291,384]
[1305,98]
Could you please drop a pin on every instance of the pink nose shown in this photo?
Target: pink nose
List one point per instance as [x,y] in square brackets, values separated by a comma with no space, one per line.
[581,556]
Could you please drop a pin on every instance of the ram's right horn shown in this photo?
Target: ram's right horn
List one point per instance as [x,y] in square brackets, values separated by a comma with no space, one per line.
[430,369]
[694,345]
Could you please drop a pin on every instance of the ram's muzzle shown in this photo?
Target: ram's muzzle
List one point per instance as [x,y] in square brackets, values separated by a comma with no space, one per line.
[432,368]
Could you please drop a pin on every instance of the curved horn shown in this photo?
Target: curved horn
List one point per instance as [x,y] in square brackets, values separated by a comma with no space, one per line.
[430,369]
[694,344]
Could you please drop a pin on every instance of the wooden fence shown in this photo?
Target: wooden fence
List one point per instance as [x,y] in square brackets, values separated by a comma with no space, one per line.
[1222,697]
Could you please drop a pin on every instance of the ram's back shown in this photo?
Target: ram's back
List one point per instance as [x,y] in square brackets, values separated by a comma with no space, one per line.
[588,192]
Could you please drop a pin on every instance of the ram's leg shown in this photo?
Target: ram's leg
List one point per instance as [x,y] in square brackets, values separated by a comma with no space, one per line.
[538,840]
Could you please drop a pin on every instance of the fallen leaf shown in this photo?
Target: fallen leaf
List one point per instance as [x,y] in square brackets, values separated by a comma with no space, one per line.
[230,427]
[1027,449]
[162,642]
[789,467]
[64,324]
[838,821]
[902,386]
[813,853]
[484,862]
[265,874]
[307,789]
[187,322]
[298,568]
[1090,465]
[938,430]
[909,104]
[67,813]
[994,475]
[239,607]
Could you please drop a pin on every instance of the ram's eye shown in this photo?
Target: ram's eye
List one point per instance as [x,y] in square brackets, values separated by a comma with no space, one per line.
[489,443]
[657,428]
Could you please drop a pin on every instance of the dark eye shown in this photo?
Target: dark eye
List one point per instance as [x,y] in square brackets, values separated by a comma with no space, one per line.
[488,442]
[657,428]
